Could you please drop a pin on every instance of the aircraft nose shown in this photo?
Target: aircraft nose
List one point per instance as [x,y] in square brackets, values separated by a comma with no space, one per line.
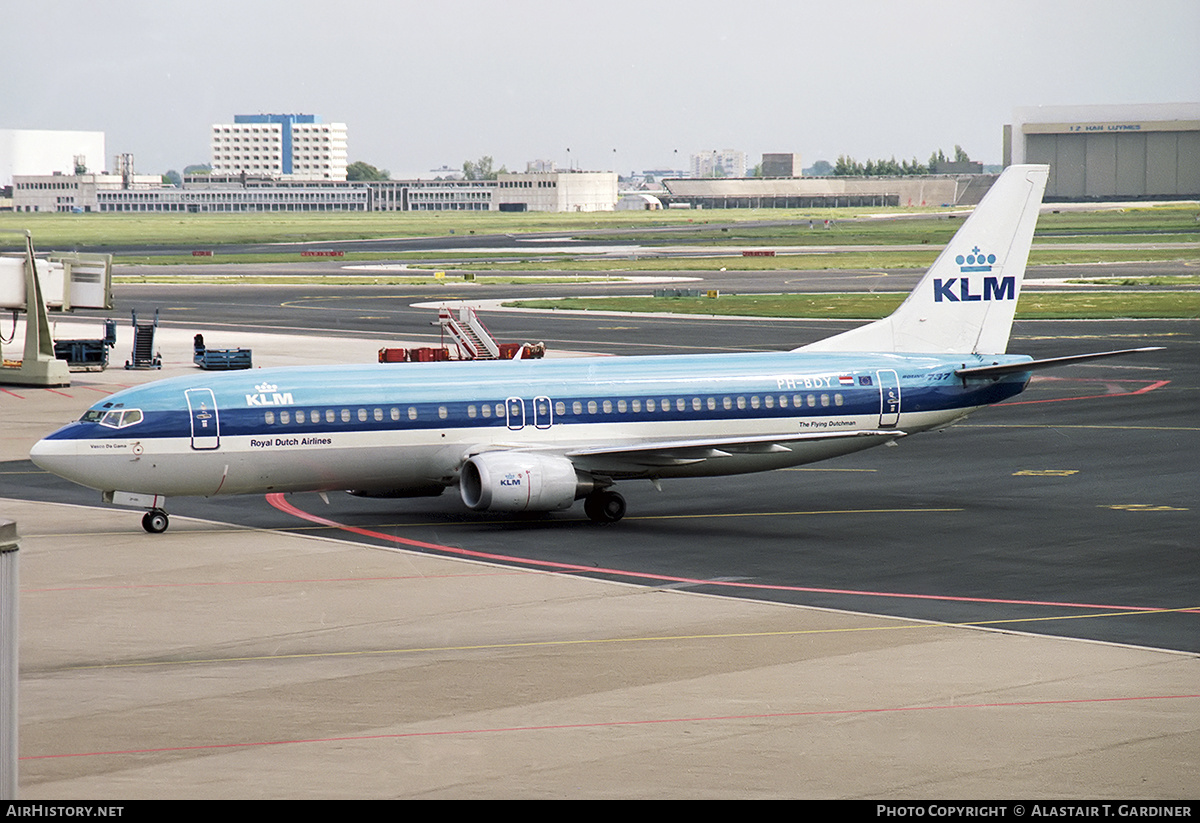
[38,453]
[54,456]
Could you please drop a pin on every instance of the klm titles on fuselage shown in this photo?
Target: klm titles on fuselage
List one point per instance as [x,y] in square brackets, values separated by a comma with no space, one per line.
[974,289]
[266,395]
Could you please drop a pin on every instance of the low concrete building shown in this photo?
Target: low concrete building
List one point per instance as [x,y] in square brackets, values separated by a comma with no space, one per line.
[827,192]
[557,191]
[434,195]
[74,192]
[277,198]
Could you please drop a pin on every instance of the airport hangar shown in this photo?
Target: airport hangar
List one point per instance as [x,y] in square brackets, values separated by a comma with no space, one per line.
[1132,152]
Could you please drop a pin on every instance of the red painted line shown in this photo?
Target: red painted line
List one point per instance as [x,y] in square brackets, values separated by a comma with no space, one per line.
[13,393]
[1157,385]
[62,393]
[278,501]
[622,723]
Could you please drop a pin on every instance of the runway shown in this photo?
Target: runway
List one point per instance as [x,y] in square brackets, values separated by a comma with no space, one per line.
[1069,513]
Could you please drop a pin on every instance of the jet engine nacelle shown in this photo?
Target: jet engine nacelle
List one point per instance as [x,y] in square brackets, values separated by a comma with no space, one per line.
[519,482]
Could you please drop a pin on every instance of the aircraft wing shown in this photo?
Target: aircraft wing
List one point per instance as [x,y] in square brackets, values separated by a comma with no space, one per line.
[644,458]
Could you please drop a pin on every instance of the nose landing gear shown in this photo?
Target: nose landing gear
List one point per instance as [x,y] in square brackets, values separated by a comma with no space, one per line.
[155,521]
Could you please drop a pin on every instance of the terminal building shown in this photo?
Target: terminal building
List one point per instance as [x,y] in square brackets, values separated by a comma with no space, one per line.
[1110,152]
[107,193]
[77,192]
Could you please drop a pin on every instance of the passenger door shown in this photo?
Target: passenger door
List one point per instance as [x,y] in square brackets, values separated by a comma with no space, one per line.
[889,398]
[206,425]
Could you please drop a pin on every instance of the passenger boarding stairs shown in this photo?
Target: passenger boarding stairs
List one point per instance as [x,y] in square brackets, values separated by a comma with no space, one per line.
[473,339]
[143,345]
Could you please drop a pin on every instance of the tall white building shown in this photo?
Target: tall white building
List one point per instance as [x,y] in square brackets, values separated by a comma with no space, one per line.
[282,146]
[725,163]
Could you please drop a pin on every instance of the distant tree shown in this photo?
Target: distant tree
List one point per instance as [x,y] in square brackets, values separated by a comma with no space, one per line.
[358,170]
[848,167]
[820,168]
[197,168]
[172,178]
[960,156]
[481,169]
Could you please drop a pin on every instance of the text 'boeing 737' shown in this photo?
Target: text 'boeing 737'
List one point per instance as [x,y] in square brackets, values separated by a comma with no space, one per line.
[538,435]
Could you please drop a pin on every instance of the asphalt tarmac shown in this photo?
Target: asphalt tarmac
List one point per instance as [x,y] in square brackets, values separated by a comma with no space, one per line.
[1070,513]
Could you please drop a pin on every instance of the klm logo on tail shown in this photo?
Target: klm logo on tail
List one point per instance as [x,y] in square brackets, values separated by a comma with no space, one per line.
[974,289]
[975,261]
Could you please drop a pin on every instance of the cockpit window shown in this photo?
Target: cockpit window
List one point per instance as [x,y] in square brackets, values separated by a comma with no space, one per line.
[115,419]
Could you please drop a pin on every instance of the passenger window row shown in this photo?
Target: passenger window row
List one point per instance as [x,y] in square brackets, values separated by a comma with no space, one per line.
[561,409]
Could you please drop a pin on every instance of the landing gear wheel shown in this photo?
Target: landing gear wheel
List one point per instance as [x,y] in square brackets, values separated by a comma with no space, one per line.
[604,506]
[155,521]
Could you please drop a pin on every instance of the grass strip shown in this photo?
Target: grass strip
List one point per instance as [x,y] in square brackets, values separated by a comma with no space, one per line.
[733,226]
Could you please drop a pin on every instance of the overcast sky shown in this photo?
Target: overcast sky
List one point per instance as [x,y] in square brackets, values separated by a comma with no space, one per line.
[631,84]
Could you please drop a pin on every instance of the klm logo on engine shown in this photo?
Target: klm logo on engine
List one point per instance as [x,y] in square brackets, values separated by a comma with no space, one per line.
[511,479]
[267,395]
[967,289]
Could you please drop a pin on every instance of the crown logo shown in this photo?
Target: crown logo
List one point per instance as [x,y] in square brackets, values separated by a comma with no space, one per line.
[263,388]
[975,261]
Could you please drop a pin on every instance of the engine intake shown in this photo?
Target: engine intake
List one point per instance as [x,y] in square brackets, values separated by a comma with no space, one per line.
[520,482]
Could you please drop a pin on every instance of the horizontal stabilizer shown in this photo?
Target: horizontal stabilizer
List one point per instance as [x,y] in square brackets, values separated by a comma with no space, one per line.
[999,370]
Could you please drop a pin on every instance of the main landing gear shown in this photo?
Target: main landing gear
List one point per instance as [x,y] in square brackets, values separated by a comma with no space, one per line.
[155,521]
[605,506]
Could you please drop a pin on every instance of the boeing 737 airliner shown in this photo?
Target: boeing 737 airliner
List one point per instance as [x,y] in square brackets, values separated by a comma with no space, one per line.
[538,435]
